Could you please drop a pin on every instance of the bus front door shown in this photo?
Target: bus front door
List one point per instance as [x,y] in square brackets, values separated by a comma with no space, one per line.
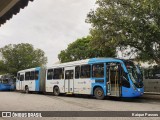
[113,79]
[69,80]
[21,82]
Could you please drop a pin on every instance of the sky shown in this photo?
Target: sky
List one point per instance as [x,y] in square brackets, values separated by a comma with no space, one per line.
[49,25]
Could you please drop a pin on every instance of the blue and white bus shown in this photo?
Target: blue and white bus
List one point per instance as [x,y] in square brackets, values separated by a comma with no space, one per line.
[31,80]
[97,76]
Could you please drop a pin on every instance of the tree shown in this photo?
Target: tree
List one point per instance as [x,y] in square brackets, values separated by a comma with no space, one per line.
[22,56]
[123,23]
[2,67]
[83,49]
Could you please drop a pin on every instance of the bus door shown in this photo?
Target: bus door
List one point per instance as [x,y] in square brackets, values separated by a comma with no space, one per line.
[21,82]
[114,71]
[69,79]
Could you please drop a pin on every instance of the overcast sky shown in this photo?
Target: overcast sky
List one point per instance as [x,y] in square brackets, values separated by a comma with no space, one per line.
[49,25]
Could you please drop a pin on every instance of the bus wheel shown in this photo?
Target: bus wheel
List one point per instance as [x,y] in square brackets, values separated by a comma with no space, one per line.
[26,90]
[56,91]
[99,94]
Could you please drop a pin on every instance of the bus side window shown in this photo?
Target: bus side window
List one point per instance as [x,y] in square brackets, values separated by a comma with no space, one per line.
[85,71]
[58,73]
[27,74]
[124,79]
[21,77]
[18,76]
[50,74]
[62,74]
[36,75]
[77,72]
[32,75]
[98,70]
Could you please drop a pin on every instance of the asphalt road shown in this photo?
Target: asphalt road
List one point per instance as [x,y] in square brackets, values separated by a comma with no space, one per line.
[16,101]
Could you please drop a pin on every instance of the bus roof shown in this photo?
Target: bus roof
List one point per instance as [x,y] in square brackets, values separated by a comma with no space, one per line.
[86,61]
[70,63]
[30,69]
[97,60]
[80,62]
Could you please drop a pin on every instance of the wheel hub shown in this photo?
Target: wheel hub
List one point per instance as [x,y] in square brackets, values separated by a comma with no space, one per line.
[99,93]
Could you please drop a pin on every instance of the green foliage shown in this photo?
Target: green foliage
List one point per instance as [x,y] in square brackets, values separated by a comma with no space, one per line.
[123,23]
[2,68]
[21,56]
[83,49]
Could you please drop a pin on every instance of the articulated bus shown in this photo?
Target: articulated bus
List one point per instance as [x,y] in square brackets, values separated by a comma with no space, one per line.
[97,76]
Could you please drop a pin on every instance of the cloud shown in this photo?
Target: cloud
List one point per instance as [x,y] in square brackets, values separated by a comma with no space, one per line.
[49,25]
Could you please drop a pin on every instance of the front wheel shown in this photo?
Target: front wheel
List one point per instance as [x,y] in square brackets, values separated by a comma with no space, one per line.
[99,93]
[26,90]
[56,91]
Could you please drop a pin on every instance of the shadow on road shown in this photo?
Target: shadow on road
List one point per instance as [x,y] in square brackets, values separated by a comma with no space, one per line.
[147,98]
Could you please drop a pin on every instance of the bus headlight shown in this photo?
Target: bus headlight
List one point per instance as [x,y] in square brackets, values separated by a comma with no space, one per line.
[133,86]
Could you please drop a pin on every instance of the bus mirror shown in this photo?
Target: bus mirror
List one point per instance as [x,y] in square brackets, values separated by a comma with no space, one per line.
[125,82]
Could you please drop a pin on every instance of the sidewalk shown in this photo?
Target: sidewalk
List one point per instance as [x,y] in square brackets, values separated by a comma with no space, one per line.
[151,96]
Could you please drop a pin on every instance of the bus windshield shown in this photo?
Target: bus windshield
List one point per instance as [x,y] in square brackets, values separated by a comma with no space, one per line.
[134,73]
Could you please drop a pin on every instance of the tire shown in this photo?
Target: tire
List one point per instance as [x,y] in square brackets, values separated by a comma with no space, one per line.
[56,91]
[26,90]
[99,93]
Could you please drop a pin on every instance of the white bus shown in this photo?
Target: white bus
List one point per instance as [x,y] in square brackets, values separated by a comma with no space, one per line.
[151,79]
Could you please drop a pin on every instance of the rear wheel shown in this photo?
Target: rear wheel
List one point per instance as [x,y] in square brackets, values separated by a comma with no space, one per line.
[99,93]
[56,91]
[26,90]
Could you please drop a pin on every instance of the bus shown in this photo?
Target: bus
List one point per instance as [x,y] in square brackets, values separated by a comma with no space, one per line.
[96,76]
[152,79]
[7,82]
[32,79]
